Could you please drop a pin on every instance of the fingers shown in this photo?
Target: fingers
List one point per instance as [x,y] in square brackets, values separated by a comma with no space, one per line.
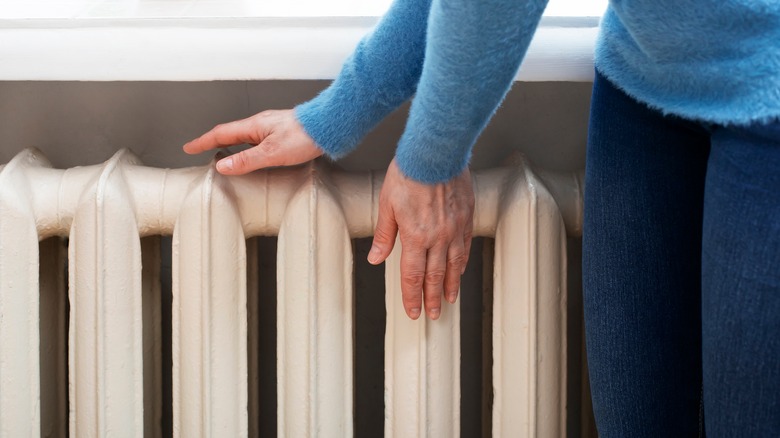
[413,263]
[431,273]
[279,140]
[226,134]
[457,257]
[258,157]
[384,235]
[436,224]
[435,270]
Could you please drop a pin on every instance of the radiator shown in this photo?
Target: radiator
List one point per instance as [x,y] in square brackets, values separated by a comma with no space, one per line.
[315,211]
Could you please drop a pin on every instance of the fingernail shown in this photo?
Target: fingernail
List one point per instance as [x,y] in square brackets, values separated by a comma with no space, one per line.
[451,297]
[225,164]
[414,312]
[373,256]
[434,313]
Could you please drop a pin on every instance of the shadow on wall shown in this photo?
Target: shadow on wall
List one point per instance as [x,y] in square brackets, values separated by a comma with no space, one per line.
[79,123]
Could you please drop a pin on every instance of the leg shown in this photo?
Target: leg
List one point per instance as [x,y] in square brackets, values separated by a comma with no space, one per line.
[741,283]
[641,267]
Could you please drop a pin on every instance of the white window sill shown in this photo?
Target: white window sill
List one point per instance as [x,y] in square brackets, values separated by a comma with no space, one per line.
[138,46]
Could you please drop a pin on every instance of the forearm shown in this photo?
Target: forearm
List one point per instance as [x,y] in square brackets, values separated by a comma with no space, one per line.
[381,74]
[473,51]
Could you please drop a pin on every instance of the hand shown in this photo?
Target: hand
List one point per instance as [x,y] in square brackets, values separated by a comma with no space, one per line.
[435,224]
[278,139]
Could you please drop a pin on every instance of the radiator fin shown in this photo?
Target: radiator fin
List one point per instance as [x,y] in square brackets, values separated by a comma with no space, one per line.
[529,312]
[19,301]
[209,321]
[105,334]
[315,210]
[422,366]
[314,262]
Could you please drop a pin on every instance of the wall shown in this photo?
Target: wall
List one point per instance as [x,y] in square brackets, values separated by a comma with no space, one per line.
[77,123]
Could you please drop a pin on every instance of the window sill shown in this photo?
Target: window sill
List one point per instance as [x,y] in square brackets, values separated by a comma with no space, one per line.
[243,48]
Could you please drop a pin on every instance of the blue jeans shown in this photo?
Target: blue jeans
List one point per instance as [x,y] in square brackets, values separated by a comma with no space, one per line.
[681,265]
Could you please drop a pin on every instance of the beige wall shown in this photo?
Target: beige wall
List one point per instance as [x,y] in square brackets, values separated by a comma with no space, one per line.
[77,123]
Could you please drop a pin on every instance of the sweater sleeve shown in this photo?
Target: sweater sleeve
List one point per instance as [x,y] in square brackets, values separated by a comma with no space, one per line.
[380,75]
[472,54]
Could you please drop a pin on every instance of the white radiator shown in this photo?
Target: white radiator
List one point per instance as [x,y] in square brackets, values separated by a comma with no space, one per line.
[104,211]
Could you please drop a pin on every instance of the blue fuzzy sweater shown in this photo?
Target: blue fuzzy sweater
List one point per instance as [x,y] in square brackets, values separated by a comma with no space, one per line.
[711,60]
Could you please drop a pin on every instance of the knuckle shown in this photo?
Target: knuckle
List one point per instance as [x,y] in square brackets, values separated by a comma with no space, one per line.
[457,260]
[382,233]
[241,160]
[434,277]
[413,280]
[446,236]
[415,239]
[218,131]
[268,147]
[220,134]
[220,128]
[450,229]
[262,118]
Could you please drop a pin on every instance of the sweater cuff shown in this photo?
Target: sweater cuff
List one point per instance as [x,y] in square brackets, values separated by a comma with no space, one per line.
[431,159]
[339,117]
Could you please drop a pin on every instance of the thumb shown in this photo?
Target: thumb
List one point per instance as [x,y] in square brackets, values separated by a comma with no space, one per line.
[384,236]
[254,158]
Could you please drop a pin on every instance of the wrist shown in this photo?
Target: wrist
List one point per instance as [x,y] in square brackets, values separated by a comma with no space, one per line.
[340,116]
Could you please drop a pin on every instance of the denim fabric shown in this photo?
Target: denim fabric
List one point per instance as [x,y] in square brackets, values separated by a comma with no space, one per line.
[681,265]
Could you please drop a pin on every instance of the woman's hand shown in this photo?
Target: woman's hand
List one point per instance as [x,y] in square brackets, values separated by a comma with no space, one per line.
[435,224]
[278,139]
[434,221]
